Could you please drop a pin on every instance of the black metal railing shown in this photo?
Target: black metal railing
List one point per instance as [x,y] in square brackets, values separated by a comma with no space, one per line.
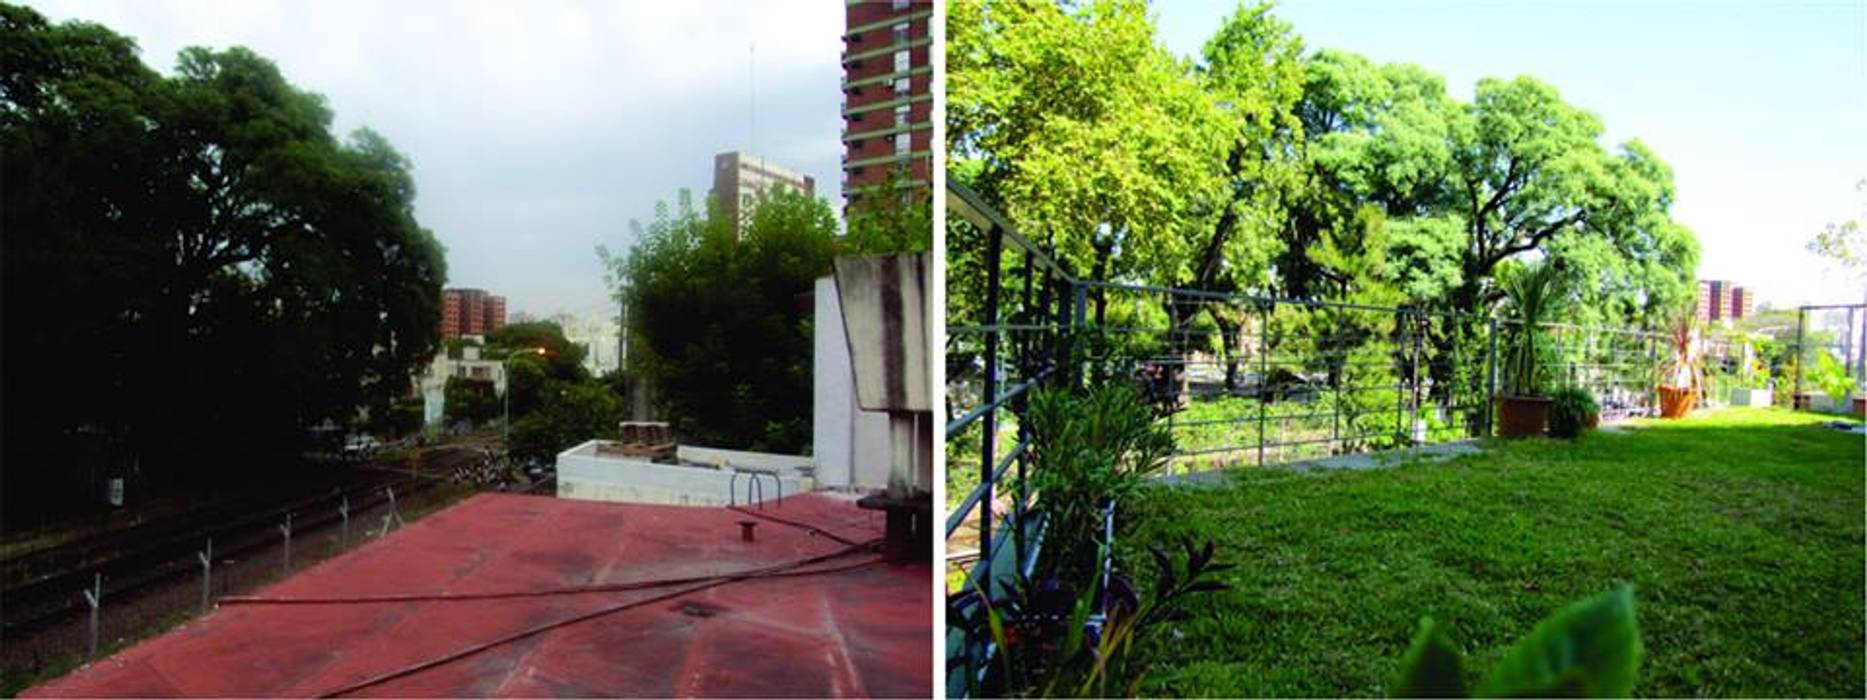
[1005,340]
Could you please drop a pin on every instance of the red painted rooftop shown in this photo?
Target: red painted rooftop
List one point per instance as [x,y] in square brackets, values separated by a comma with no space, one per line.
[837,622]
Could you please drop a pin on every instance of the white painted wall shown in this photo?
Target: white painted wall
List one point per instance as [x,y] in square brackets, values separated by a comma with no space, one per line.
[784,464]
[583,474]
[850,445]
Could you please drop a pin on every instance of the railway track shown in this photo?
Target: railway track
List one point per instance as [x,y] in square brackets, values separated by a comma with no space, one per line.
[135,559]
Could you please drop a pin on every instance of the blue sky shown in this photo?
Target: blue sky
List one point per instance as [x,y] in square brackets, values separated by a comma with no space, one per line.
[537,130]
[1760,108]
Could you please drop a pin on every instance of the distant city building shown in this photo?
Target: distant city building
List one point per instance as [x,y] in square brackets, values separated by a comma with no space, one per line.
[431,383]
[471,312]
[887,97]
[597,334]
[1720,299]
[738,177]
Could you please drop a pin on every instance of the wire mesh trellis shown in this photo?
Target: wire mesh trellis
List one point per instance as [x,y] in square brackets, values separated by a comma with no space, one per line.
[1244,379]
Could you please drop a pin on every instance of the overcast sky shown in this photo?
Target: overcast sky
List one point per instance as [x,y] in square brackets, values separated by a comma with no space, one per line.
[538,130]
[1760,107]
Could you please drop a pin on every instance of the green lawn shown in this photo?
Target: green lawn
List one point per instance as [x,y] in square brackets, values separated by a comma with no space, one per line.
[1742,532]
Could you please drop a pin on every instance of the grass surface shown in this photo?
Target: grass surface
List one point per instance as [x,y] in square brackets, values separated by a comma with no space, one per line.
[1741,530]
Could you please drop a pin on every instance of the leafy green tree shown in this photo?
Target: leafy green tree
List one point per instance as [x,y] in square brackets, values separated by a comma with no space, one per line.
[892,219]
[720,325]
[469,399]
[196,266]
[568,413]
[562,359]
[1086,133]
[1845,243]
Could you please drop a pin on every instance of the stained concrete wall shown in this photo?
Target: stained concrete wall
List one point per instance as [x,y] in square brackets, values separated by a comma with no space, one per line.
[850,445]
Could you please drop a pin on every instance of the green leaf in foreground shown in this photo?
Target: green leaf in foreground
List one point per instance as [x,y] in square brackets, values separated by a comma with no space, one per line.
[1591,648]
[1431,668]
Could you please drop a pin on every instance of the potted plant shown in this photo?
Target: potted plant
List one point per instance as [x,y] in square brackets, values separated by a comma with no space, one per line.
[1572,410]
[1753,376]
[1682,377]
[1831,378]
[1530,293]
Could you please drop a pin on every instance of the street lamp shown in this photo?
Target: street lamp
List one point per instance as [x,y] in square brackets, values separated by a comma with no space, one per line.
[506,422]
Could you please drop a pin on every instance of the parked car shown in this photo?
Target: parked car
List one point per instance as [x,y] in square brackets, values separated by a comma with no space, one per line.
[357,446]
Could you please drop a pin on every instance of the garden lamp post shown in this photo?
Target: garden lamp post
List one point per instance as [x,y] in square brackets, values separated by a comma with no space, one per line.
[505,423]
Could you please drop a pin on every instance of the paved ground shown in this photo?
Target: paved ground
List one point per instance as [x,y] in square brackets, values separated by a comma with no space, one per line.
[508,595]
[1436,452]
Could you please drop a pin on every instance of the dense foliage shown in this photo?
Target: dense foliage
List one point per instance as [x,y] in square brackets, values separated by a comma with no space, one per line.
[1089,449]
[196,268]
[473,400]
[1265,167]
[720,320]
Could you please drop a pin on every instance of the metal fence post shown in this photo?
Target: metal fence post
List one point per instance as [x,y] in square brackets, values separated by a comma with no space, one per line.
[1414,433]
[1264,370]
[988,424]
[1338,366]
[1491,378]
[207,575]
[94,596]
[395,512]
[1402,370]
[286,530]
[343,509]
[1801,313]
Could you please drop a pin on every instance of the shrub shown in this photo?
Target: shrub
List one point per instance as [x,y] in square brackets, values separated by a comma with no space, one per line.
[1832,378]
[1088,449]
[1572,408]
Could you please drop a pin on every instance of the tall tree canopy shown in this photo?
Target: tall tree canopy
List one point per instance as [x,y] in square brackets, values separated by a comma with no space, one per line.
[720,325]
[196,268]
[1084,131]
[1266,168]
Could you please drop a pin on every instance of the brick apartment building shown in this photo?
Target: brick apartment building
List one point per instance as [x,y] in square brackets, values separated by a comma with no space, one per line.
[1720,299]
[737,177]
[471,312]
[887,97]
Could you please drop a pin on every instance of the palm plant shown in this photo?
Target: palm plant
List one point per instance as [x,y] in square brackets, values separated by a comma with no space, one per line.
[1532,294]
[1682,376]
[1684,369]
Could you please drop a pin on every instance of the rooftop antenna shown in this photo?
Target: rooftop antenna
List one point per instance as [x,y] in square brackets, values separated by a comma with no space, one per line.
[751,83]
[752,93]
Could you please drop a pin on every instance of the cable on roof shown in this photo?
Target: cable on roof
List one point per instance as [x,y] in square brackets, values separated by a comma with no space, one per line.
[773,571]
[539,629]
[812,529]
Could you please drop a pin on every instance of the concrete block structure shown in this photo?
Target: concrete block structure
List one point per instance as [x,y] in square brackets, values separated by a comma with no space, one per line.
[700,476]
